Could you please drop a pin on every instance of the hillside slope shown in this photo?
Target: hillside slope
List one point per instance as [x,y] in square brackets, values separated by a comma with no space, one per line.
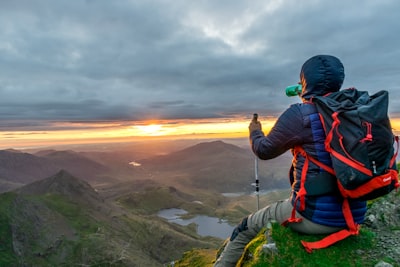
[219,166]
[62,221]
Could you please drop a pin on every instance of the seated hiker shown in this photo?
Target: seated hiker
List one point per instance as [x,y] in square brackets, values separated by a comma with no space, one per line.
[299,125]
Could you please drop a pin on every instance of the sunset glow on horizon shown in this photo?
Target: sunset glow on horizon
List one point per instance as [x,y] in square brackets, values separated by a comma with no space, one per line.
[82,133]
[108,132]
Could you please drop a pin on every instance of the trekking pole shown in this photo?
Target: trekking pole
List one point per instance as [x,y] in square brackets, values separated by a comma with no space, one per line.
[257,184]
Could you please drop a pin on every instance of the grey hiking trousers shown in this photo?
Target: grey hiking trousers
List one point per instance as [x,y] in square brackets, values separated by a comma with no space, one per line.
[252,225]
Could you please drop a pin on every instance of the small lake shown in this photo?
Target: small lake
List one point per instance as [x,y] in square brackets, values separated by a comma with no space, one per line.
[206,225]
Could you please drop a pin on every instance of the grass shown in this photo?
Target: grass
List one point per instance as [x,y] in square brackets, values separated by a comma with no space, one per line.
[150,200]
[36,239]
[93,235]
[74,212]
[351,252]
[196,258]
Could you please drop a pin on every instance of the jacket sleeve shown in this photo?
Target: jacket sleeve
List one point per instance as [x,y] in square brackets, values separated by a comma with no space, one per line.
[284,135]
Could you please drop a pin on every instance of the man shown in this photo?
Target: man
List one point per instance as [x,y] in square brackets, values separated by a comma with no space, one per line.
[298,126]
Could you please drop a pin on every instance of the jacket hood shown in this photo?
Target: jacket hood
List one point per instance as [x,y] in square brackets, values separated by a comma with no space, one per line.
[320,75]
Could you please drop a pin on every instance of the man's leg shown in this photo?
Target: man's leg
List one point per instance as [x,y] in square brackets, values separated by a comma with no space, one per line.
[250,226]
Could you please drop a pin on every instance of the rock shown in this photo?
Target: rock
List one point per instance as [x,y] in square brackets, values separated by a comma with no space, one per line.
[383,219]
[383,264]
[270,248]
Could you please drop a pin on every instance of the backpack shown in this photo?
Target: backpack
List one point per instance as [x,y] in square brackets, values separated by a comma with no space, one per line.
[360,141]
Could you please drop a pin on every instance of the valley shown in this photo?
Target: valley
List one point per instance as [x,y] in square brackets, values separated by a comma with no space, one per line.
[88,207]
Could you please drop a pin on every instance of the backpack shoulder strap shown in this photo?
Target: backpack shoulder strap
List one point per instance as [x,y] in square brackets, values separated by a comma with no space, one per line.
[301,194]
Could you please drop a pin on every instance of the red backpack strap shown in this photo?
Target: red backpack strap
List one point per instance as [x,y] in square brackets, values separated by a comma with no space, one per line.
[301,195]
[353,229]
[313,160]
[346,159]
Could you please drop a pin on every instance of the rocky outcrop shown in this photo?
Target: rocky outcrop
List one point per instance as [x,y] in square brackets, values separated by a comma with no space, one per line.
[383,218]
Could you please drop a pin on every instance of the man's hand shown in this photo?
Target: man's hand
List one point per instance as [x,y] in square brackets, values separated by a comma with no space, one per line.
[255,125]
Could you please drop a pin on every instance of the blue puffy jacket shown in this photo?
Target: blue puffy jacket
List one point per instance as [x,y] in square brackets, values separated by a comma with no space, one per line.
[300,125]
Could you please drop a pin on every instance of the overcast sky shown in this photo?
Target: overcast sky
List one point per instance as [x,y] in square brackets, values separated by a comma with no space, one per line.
[101,60]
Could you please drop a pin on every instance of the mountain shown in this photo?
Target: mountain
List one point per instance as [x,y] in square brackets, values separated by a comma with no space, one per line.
[18,168]
[219,166]
[202,155]
[214,165]
[76,164]
[62,221]
[65,184]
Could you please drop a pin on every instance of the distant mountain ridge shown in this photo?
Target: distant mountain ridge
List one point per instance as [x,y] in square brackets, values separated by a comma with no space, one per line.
[222,167]
[199,156]
[76,164]
[22,167]
[214,165]
[18,168]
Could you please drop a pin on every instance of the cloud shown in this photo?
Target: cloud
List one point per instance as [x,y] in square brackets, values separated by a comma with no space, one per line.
[135,60]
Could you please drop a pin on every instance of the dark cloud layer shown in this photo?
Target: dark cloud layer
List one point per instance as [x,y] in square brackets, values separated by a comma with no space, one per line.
[135,60]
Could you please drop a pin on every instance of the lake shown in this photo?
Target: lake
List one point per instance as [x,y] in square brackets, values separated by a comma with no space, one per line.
[206,225]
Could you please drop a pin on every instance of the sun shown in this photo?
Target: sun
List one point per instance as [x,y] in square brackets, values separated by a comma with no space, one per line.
[149,130]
